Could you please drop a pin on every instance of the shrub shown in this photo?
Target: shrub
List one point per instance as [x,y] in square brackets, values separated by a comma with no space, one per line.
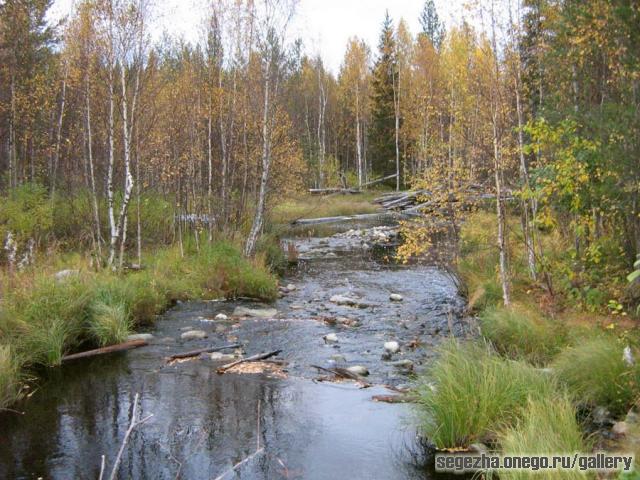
[475,393]
[595,373]
[519,333]
[547,426]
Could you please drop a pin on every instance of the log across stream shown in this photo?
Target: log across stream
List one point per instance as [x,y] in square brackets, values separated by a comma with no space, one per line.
[205,422]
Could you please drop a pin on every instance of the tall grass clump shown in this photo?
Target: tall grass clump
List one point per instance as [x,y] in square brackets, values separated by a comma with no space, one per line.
[596,374]
[10,376]
[522,334]
[52,317]
[547,426]
[110,320]
[473,393]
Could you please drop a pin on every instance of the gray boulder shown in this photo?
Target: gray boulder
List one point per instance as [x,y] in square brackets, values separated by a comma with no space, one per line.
[194,335]
[255,312]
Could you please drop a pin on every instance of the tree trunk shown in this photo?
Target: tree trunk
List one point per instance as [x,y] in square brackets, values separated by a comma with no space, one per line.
[92,178]
[258,219]
[56,157]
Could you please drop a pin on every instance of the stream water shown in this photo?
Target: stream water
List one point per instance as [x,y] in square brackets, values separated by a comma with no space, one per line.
[204,422]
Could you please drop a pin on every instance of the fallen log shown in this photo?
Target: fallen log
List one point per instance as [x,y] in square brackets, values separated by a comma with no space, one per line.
[378,180]
[195,353]
[344,218]
[394,398]
[110,349]
[253,358]
[327,191]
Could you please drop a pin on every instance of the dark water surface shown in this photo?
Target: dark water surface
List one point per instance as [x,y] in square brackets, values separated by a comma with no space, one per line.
[203,422]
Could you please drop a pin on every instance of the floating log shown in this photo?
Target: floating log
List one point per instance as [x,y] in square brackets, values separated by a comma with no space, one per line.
[195,353]
[253,358]
[110,349]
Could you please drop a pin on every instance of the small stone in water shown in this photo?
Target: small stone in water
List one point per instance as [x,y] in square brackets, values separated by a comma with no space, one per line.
[395,297]
[140,336]
[221,316]
[338,358]
[194,335]
[291,287]
[221,357]
[330,338]
[392,347]
[403,364]
[254,312]
[359,370]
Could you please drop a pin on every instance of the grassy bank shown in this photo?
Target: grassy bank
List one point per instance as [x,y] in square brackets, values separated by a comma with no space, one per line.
[541,367]
[43,317]
[318,206]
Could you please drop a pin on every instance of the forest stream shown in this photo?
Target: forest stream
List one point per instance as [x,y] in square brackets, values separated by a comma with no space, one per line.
[204,422]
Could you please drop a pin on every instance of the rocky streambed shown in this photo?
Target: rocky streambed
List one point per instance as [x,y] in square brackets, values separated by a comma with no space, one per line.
[346,305]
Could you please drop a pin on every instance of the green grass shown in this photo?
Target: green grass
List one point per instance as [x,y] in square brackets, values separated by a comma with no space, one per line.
[519,333]
[10,376]
[475,393]
[317,206]
[42,319]
[595,374]
[548,425]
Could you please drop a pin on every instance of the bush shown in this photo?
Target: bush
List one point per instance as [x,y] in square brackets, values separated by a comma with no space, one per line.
[474,394]
[519,333]
[547,426]
[596,374]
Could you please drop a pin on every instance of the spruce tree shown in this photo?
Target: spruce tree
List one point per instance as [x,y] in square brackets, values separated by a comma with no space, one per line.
[431,25]
[383,113]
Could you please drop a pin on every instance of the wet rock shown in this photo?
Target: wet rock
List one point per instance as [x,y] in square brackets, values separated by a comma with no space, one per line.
[255,312]
[140,336]
[221,328]
[295,306]
[343,300]
[403,365]
[359,370]
[338,358]
[601,416]
[620,429]
[221,317]
[194,335]
[330,338]
[386,356]
[222,357]
[63,275]
[392,347]
[396,297]
[347,322]
[478,448]
[291,287]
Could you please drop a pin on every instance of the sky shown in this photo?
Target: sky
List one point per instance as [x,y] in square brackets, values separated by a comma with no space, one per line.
[324,25]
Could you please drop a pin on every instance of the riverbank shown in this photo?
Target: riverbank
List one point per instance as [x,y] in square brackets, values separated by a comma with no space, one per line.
[47,312]
[550,373]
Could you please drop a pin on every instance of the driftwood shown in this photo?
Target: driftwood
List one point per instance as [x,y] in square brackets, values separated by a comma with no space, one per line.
[253,358]
[344,373]
[110,349]
[394,398]
[195,353]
